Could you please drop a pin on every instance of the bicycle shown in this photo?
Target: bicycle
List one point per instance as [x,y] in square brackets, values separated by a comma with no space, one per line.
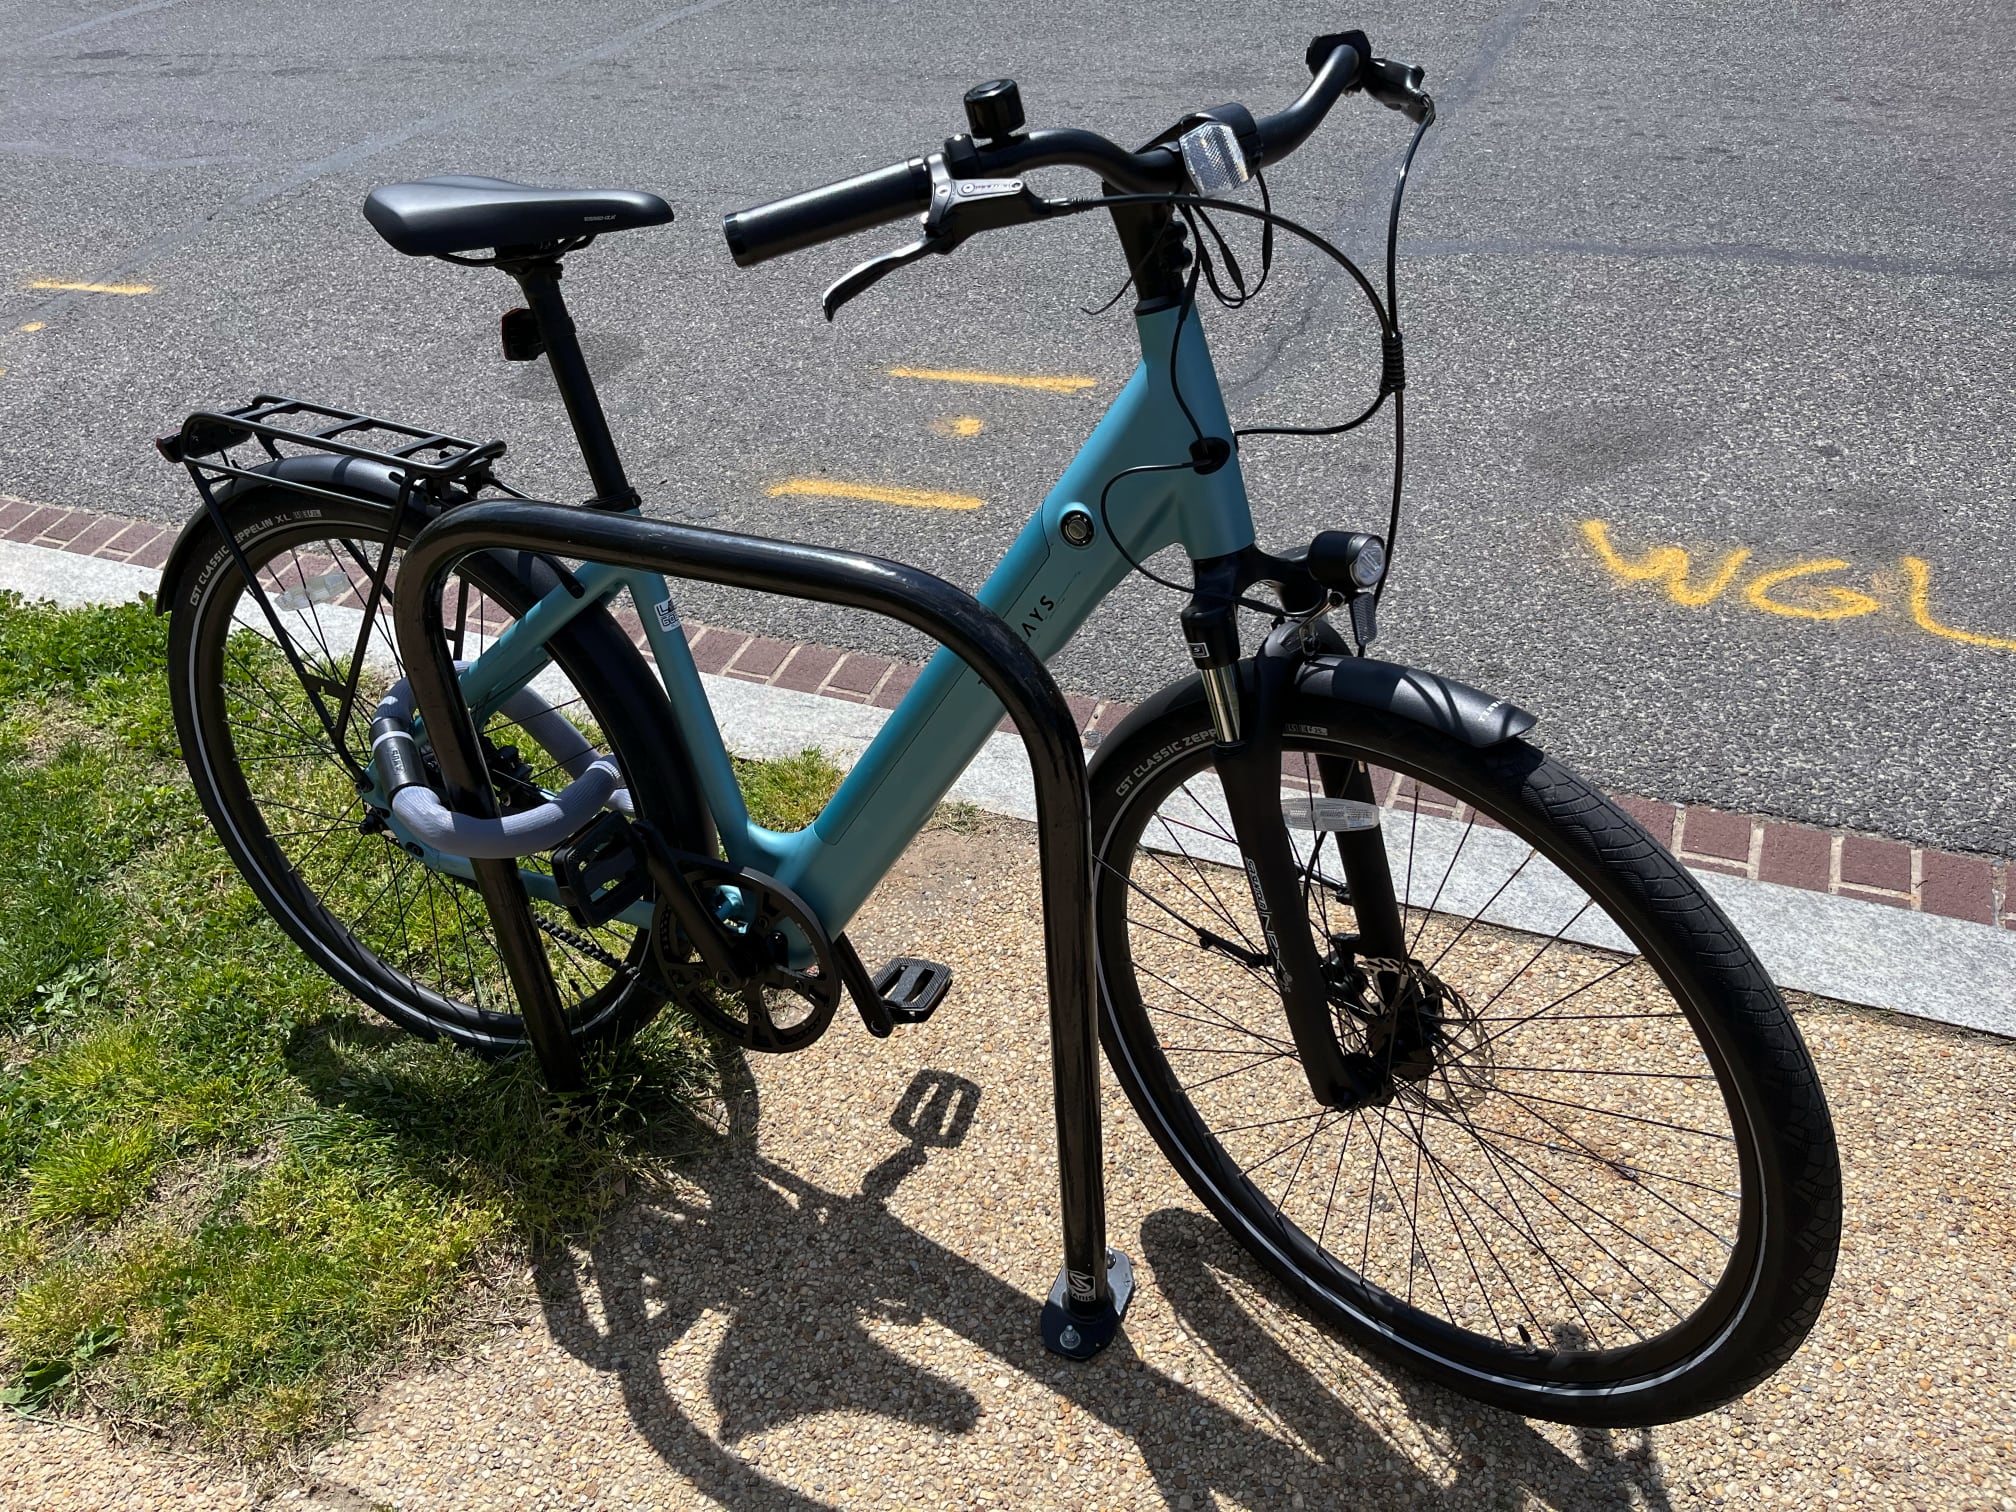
[1355,933]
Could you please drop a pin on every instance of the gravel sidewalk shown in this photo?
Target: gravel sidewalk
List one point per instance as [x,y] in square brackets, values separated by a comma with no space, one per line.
[833,1314]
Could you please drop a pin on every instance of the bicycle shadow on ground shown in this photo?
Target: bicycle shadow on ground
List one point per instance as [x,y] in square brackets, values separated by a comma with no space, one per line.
[800,1273]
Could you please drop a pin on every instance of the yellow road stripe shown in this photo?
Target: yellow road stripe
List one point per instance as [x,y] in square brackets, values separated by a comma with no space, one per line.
[1004,380]
[35,325]
[875,493]
[89,288]
[959,425]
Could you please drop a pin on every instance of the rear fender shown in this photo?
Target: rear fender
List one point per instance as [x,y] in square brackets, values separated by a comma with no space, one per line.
[352,475]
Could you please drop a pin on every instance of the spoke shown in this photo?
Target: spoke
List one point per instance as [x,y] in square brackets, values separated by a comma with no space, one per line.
[1217,903]
[1583,1071]
[1235,1071]
[1282,1149]
[1456,1229]
[1234,1050]
[1579,1150]
[1566,997]
[1447,872]
[1526,1097]
[1191,1018]
[1228,1023]
[1196,934]
[1223,834]
[1519,1167]
[1281,1202]
[1478,917]
[1441,1168]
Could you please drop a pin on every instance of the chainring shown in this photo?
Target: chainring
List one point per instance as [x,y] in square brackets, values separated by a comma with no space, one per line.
[781,1007]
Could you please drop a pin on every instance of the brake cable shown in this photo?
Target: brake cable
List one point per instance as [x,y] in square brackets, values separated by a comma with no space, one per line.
[1392,377]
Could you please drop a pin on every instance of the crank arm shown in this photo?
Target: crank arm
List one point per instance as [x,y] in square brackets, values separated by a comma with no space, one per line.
[726,958]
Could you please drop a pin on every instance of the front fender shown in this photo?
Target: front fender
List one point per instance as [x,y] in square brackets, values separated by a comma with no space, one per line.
[1425,698]
[353,475]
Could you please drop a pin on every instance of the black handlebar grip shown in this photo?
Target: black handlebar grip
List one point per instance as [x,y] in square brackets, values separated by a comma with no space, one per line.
[1320,49]
[819,215]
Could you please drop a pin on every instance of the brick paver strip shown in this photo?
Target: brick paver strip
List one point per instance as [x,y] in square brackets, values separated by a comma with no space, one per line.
[1960,887]
[154,552]
[1711,832]
[808,668]
[858,675]
[713,649]
[29,526]
[1796,856]
[68,524]
[1874,869]
[1884,864]
[760,659]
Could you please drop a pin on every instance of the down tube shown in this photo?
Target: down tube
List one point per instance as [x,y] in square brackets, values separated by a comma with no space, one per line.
[1046,588]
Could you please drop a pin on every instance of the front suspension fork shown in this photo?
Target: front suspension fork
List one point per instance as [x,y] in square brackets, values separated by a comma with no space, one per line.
[1247,756]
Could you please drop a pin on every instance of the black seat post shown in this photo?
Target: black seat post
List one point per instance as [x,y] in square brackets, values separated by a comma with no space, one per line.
[539,277]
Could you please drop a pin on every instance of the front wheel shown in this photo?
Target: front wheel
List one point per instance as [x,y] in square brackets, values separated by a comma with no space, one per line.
[1602,1186]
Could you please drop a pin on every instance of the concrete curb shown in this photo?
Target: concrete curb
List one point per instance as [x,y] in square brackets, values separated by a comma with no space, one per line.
[1888,947]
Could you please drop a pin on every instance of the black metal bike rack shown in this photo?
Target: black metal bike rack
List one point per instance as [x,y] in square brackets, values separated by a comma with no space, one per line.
[1091,1294]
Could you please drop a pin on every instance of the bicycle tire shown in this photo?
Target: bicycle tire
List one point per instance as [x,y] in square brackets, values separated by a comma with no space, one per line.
[207,607]
[1787,1204]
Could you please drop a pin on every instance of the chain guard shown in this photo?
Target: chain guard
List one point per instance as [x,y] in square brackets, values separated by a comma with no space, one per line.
[781,1008]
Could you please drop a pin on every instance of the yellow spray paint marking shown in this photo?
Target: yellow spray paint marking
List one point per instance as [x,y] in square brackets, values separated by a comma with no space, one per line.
[35,325]
[1833,601]
[959,425]
[1919,577]
[1670,567]
[89,288]
[874,493]
[1003,380]
[1666,564]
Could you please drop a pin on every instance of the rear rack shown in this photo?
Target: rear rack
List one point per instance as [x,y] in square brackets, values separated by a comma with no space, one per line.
[431,471]
[430,460]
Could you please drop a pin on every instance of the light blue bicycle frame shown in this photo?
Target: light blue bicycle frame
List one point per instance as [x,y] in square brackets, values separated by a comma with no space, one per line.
[1044,586]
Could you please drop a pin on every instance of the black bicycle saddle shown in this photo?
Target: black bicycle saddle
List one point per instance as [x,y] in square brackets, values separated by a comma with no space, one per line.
[459,212]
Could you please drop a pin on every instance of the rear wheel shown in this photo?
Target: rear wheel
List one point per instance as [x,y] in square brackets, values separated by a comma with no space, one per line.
[412,942]
[1603,1185]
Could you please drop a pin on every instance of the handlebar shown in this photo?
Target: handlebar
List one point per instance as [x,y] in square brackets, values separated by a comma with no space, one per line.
[1340,63]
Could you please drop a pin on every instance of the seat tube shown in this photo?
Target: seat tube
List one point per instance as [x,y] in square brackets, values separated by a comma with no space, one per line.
[539,277]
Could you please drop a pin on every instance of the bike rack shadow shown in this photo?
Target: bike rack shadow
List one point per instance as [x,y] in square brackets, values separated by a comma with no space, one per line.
[1090,1297]
[851,1259]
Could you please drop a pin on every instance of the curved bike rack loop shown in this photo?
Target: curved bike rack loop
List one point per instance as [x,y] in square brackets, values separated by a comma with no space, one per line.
[1092,1292]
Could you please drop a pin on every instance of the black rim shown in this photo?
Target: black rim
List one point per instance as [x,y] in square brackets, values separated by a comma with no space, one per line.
[1514,1214]
[415,940]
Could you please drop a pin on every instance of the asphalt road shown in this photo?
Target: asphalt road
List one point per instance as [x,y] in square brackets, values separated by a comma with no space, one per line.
[1734,279]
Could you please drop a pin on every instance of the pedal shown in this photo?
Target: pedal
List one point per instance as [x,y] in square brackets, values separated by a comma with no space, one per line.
[911,990]
[600,872]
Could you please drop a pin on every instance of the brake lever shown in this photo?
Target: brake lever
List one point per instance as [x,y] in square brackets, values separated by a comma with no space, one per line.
[959,208]
[873,271]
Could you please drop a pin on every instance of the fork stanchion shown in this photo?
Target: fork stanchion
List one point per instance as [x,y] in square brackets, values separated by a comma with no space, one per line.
[1092,1292]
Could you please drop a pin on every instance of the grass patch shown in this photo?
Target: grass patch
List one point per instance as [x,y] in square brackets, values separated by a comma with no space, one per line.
[228,1194]
[788,793]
